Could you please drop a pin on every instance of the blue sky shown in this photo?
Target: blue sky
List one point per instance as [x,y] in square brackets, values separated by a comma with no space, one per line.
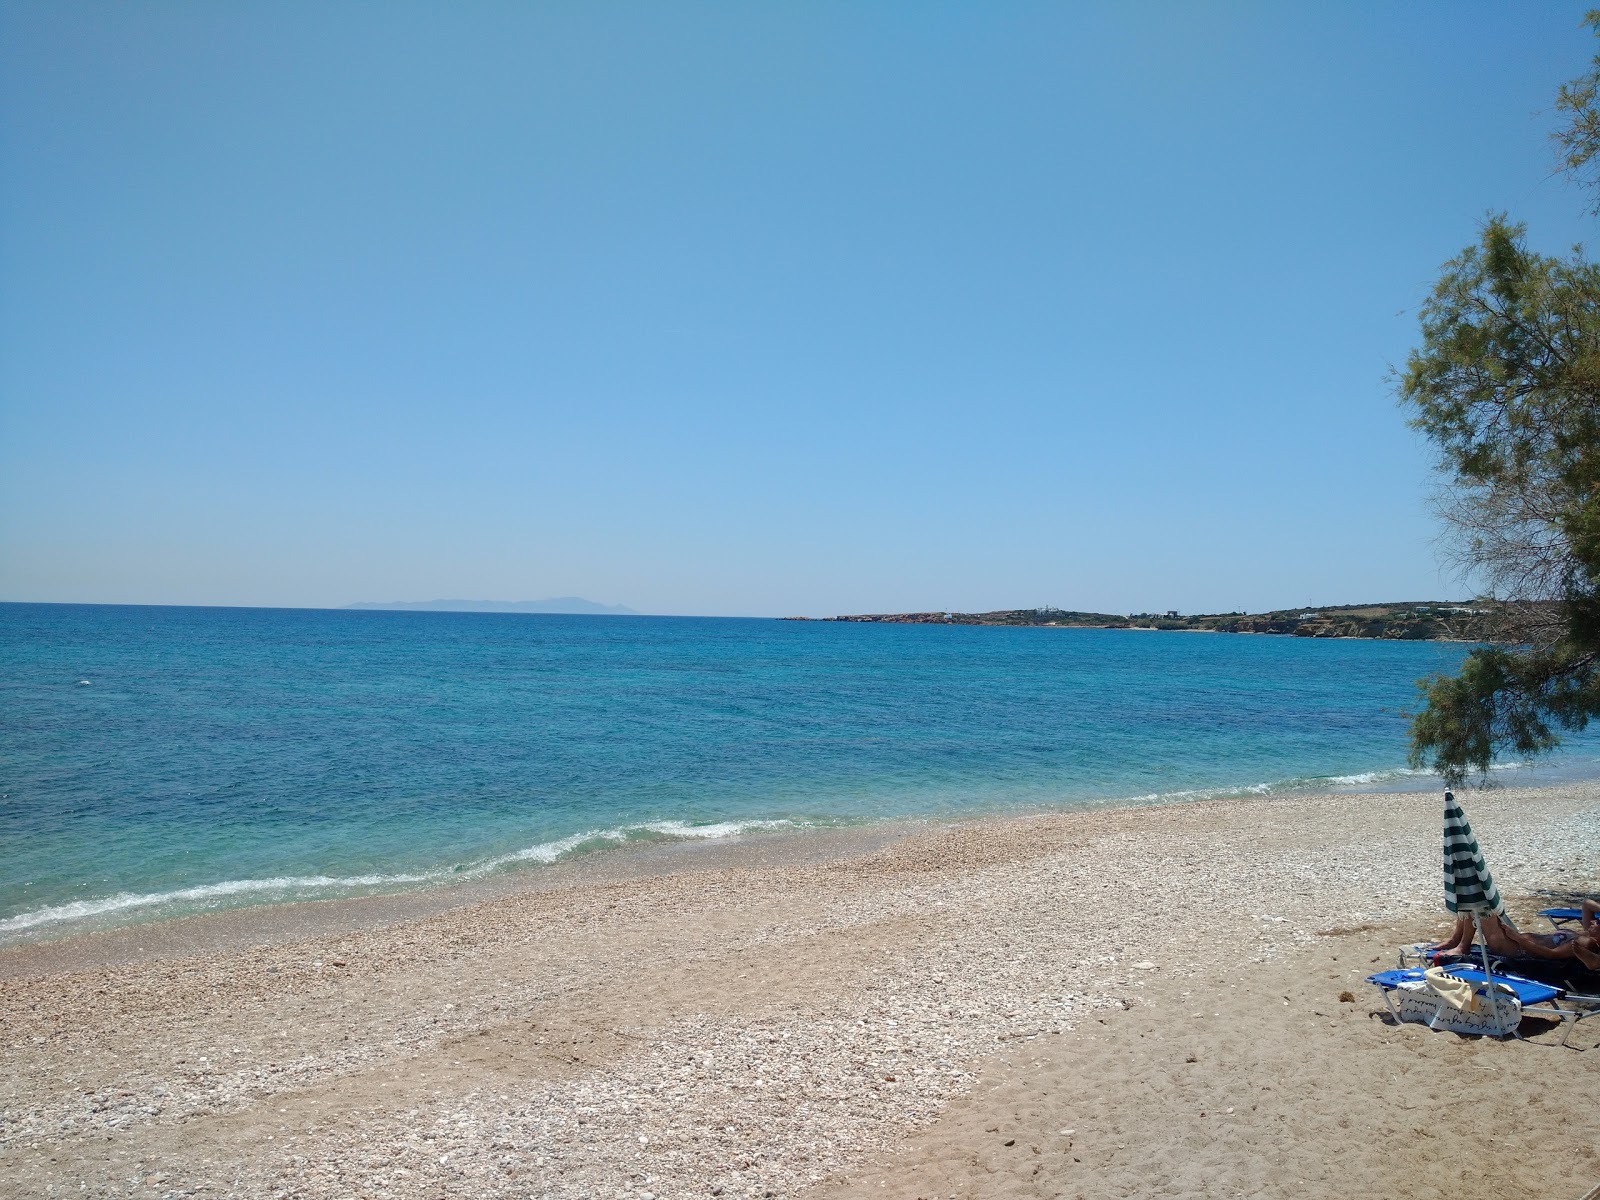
[744,309]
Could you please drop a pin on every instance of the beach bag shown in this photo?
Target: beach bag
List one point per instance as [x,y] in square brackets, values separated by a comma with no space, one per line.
[1417,1000]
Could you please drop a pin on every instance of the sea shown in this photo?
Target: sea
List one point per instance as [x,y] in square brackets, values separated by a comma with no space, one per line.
[156,761]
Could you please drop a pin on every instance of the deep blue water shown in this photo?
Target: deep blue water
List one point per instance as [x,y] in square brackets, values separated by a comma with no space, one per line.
[251,755]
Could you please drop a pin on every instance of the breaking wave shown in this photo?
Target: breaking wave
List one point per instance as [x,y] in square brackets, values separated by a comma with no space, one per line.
[307,887]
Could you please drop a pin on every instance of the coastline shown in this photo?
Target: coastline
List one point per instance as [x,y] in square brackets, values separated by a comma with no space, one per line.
[945,999]
[270,924]
[148,929]
[1425,620]
[129,931]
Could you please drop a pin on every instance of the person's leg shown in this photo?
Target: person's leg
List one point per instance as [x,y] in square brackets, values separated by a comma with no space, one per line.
[1502,940]
[1590,920]
[1498,937]
[1587,951]
[1460,939]
[1559,946]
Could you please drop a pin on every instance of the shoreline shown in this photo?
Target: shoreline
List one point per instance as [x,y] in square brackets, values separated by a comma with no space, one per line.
[104,939]
[1111,1002]
[226,930]
[227,924]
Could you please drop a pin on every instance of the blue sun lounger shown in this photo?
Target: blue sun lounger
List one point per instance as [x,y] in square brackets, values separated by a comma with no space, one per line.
[1562,916]
[1527,991]
[1533,999]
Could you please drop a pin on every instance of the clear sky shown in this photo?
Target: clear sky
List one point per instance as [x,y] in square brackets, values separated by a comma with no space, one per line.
[742,308]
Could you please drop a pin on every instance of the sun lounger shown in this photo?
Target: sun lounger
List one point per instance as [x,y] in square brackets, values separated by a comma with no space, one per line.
[1463,997]
[1410,997]
[1541,999]
[1423,954]
[1569,974]
[1527,991]
[1561,916]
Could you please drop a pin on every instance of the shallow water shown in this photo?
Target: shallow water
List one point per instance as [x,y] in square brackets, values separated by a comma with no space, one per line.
[164,760]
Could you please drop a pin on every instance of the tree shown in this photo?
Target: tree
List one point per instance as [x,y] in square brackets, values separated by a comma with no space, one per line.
[1506,384]
[1579,139]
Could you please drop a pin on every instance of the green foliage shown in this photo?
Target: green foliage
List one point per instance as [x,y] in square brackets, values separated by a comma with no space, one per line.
[1506,384]
[1506,379]
[1503,700]
[1579,138]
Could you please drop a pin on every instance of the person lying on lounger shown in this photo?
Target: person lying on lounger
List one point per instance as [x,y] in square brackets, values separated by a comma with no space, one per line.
[1510,943]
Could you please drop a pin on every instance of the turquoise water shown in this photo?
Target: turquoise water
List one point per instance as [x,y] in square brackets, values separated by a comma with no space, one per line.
[159,760]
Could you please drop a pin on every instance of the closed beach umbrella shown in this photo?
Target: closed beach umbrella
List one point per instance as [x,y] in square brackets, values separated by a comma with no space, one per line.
[1468,886]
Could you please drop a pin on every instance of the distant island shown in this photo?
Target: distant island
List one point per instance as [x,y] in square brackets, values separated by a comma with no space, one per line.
[1423,620]
[560,604]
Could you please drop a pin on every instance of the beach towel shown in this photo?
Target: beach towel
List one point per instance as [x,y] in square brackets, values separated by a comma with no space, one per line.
[1457,993]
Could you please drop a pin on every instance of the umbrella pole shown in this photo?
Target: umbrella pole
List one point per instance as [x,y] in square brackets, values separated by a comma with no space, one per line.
[1488,975]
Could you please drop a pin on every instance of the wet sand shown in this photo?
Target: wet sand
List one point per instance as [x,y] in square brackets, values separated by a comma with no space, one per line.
[1131,1002]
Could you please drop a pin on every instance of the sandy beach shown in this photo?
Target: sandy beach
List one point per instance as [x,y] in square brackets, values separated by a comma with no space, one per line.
[1122,1002]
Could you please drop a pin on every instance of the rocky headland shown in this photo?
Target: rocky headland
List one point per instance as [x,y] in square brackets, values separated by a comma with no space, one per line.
[1426,620]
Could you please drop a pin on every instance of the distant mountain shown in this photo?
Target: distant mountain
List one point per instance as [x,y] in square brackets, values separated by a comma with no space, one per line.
[560,604]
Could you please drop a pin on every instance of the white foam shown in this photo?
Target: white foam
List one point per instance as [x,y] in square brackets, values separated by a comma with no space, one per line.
[83,909]
[549,852]
[1371,776]
[1296,784]
[542,852]
[1216,793]
[721,829]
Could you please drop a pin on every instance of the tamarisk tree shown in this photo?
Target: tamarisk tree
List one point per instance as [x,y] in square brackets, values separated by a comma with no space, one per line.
[1506,385]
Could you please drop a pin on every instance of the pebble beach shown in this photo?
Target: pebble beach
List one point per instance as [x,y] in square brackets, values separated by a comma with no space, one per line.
[1148,1001]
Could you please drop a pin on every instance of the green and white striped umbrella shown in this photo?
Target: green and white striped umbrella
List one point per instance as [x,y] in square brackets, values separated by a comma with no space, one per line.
[1468,886]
